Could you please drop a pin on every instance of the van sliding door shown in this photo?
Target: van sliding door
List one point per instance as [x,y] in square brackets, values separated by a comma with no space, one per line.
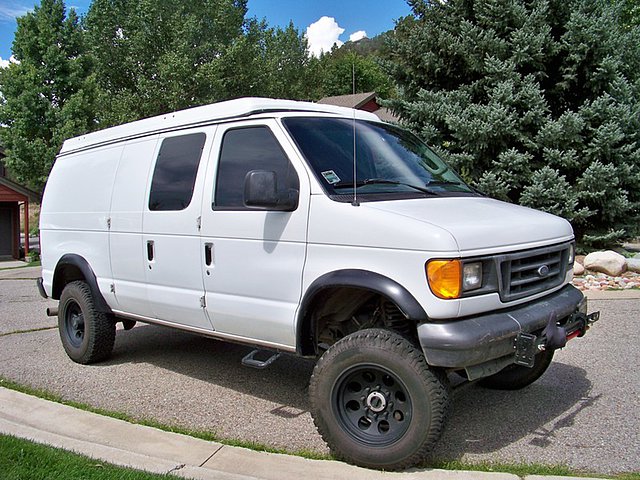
[171,225]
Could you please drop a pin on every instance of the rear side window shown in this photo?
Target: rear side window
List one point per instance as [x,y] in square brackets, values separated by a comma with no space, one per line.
[246,149]
[175,173]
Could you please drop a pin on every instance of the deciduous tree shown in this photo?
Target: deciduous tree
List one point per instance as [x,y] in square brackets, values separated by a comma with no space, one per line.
[49,95]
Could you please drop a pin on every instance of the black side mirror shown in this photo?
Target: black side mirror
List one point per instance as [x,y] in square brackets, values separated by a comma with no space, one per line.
[261,191]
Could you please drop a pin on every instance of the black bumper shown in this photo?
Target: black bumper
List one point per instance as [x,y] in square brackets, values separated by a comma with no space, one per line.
[471,341]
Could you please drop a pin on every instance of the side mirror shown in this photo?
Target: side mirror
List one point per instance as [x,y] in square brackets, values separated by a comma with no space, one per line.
[261,191]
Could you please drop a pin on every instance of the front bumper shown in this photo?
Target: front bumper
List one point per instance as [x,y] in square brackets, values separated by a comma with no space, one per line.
[494,340]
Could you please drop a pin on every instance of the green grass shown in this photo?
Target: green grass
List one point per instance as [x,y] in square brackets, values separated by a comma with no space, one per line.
[30,330]
[521,470]
[26,265]
[24,460]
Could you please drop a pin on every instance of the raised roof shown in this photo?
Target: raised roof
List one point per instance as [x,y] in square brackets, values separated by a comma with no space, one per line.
[203,115]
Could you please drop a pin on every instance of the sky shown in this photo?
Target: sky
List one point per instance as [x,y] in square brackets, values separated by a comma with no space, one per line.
[324,21]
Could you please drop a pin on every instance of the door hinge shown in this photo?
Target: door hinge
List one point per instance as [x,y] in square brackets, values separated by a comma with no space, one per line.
[112,288]
[203,302]
[109,223]
[199,222]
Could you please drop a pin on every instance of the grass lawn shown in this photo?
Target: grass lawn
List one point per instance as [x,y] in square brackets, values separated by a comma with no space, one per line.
[24,460]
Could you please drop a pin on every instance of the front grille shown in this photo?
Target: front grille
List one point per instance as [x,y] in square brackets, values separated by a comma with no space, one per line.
[527,273]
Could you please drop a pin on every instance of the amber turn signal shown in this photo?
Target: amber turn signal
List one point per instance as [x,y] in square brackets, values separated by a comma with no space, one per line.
[444,277]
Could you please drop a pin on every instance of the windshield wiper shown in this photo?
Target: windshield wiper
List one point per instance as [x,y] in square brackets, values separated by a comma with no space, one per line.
[449,182]
[438,183]
[382,181]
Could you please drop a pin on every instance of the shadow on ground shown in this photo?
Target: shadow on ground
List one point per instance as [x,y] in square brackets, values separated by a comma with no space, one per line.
[482,420]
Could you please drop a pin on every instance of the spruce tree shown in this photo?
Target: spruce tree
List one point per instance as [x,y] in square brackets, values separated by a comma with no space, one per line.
[49,95]
[534,101]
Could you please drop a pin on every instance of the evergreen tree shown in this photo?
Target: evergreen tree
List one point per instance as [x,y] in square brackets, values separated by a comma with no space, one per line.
[49,95]
[534,101]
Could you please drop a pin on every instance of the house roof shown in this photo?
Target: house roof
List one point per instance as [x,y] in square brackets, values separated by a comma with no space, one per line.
[386,115]
[350,101]
[30,194]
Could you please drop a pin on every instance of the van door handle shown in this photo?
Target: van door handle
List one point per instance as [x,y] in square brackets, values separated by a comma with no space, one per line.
[150,250]
[208,254]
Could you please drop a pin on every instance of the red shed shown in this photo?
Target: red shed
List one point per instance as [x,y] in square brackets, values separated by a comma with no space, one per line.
[12,196]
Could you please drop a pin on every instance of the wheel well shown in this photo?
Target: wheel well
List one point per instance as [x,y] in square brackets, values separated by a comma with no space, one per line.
[335,312]
[73,267]
[65,274]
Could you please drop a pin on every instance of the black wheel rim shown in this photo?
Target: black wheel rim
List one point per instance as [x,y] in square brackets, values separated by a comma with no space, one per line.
[372,404]
[74,324]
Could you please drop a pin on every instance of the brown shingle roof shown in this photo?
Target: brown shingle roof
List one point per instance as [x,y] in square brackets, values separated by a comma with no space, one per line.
[351,101]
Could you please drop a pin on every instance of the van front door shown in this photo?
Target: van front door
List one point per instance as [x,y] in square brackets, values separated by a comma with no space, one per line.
[253,257]
[171,239]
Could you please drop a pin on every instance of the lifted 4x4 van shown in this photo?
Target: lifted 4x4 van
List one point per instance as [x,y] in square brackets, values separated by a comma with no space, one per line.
[317,231]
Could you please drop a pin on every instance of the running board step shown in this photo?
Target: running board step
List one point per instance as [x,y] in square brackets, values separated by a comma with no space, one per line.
[250,359]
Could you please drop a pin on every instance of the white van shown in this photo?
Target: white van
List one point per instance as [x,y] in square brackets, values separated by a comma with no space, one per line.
[312,230]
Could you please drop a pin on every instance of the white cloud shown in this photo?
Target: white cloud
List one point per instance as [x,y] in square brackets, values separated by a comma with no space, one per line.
[323,34]
[12,10]
[359,35]
[5,63]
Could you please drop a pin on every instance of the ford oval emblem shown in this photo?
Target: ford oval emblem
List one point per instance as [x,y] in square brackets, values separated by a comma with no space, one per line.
[543,271]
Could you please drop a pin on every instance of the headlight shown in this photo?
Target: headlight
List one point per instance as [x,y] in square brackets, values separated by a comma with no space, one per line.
[572,253]
[449,278]
[471,276]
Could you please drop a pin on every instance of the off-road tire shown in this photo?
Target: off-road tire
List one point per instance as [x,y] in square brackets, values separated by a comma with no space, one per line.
[364,372]
[87,335]
[515,377]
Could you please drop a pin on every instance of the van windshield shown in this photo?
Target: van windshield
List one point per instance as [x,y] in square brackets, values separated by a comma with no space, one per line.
[390,160]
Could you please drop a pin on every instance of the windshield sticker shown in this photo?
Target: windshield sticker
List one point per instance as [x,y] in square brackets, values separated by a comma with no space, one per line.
[331,177]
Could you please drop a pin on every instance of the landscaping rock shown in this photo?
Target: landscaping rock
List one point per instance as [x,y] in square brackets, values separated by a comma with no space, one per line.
[578,269]
[633,264]
[608,262]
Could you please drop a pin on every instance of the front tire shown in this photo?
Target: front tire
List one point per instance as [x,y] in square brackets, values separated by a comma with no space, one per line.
[516,377]
[87,334]
[376,402]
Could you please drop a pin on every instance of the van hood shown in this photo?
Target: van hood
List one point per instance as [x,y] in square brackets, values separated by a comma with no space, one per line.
[480,223]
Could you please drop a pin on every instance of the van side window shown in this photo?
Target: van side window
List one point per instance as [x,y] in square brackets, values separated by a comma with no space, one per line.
[243,150]
[175,173]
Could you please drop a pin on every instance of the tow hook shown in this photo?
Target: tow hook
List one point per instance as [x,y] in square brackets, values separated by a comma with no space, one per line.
[554,336]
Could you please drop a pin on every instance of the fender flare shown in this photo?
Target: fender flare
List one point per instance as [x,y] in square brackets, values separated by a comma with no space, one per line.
[353,278]
[71,260]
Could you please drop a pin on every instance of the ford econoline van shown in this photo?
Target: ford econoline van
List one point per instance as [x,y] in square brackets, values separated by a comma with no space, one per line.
[317,231]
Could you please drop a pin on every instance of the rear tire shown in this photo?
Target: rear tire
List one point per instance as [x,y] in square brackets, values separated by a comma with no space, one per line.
[87,335]
[376,402]
[515,377]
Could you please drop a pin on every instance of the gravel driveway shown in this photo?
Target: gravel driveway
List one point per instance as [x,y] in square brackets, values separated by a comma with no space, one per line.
[582,413]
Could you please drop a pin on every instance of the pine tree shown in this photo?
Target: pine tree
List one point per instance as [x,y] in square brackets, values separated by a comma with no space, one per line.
[49,95]
[534,101]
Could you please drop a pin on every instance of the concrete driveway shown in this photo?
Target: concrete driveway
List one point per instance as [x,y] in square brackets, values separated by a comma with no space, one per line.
[582,413]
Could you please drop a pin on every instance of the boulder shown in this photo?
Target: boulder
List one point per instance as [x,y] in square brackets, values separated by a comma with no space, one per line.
[608,262]
[633,264]
[578,269]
